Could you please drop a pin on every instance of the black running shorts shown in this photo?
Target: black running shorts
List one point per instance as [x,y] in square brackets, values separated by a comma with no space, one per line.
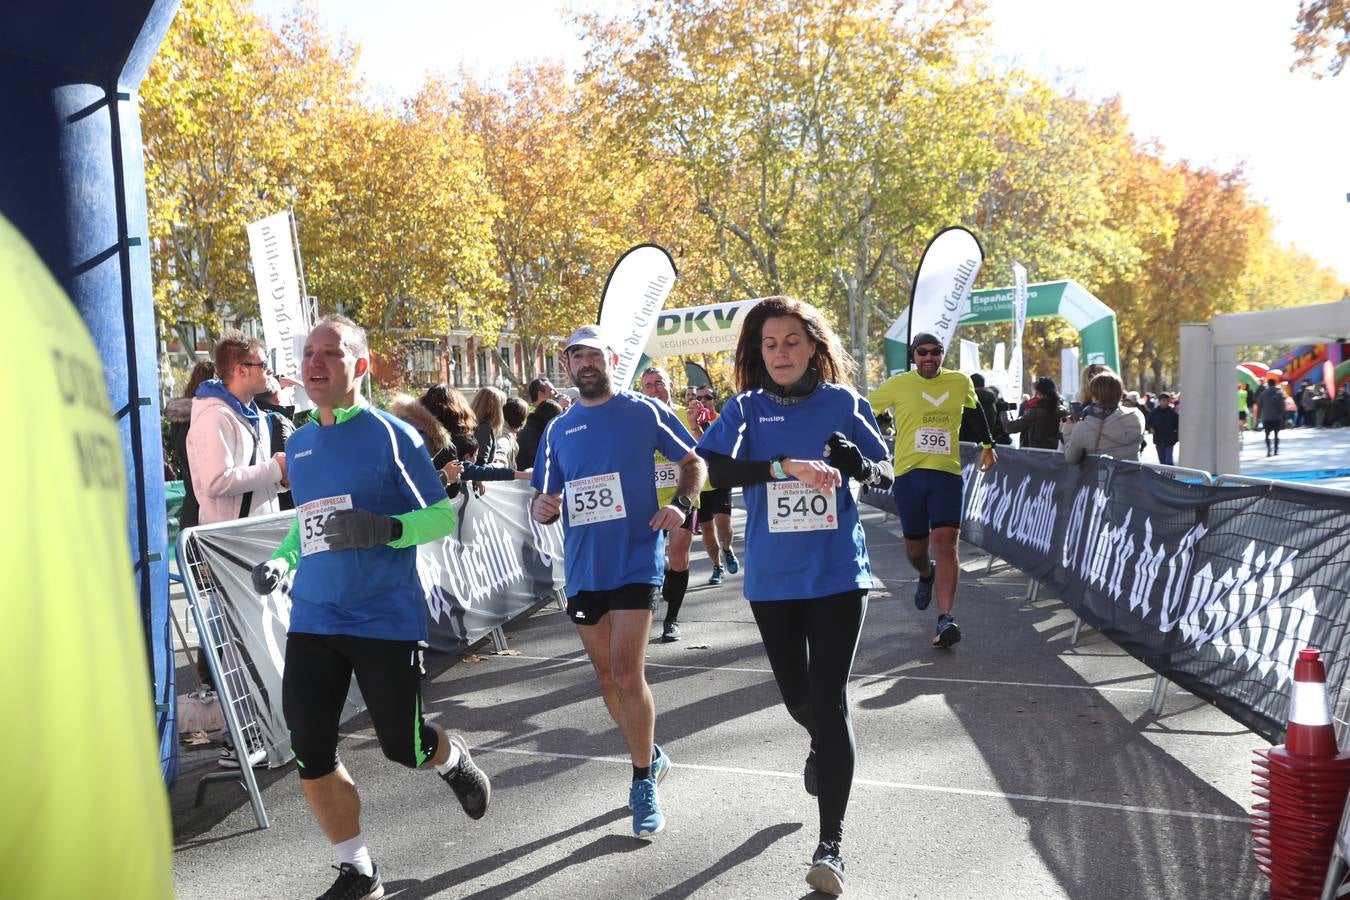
[716,502]
[319,669]
[589,607]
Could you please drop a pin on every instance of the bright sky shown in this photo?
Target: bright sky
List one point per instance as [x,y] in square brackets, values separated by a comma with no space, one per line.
[1208,78]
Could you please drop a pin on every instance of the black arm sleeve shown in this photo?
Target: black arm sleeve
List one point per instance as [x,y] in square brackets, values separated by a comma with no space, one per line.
[978,424]
[725,472]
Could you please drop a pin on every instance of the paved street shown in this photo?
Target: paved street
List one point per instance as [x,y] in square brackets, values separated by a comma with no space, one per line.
[1013,765]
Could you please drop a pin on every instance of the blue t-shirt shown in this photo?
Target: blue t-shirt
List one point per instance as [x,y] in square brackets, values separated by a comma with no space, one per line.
[600,459]
[382,463]
[796,565]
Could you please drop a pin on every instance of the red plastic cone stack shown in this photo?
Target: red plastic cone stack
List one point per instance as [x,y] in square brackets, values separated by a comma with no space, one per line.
[1302,786]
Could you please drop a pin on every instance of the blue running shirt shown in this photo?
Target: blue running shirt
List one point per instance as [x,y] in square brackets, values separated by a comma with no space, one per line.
[381,462]
[600,459]
[830,555]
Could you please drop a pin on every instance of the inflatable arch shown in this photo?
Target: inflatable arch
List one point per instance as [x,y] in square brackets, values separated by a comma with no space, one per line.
[1094,320]
[72,181]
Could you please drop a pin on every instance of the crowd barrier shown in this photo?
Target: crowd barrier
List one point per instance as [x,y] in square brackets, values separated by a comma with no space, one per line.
[498,565]
[1214,582]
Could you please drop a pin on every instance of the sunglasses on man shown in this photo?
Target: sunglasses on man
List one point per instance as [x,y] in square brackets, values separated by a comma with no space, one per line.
[928,351]
[267,370]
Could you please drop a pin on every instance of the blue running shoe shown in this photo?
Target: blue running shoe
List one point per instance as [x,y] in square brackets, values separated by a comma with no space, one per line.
[660,767]
[947,632]
[648,821]
[716,576]
[660,763]
[923,594]
[733,564]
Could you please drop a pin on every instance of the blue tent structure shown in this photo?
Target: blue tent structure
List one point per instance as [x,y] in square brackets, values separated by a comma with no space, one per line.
[72,180]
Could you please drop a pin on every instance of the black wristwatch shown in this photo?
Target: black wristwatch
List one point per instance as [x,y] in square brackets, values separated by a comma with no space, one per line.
[683,502]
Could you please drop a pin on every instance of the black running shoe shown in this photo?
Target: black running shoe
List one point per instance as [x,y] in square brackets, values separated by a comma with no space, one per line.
[827,869]
[809,775]
[946,633]
[352,885]
[923,594]
[670,632]
[469,782]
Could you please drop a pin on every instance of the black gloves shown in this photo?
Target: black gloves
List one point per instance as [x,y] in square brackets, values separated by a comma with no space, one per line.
[267,575]
[845,456]
[357,529]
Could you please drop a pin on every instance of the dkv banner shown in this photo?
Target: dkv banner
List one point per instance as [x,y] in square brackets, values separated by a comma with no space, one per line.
[636,291]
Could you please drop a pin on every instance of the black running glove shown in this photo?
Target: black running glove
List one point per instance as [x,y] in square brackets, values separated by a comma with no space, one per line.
[267,575]
[845,456]
[357,529]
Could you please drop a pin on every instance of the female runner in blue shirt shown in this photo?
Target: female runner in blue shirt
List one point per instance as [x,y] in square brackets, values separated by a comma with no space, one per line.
[791,439]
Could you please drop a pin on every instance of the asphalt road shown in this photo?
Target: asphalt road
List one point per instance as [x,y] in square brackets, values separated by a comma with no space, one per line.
[1013,765]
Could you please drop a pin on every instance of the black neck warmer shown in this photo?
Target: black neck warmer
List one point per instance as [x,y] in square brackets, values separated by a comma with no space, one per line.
[796,392]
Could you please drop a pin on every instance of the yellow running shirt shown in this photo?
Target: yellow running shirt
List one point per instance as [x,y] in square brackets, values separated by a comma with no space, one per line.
[927,417]
[85,813]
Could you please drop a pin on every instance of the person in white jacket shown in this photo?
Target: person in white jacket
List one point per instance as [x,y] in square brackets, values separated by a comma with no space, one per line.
[234,472]
[1106,429]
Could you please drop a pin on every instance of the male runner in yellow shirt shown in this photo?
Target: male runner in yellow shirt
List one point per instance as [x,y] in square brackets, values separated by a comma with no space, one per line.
[929,403]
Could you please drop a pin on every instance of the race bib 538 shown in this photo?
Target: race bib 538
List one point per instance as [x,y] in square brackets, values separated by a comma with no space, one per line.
[598,498]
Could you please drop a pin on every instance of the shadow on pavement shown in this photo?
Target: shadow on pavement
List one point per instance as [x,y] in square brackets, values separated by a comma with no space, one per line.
[1075,744]
[601,846]
[751,847]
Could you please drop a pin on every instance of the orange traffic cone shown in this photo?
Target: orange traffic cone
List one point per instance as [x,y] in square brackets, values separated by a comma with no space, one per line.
[1310,732]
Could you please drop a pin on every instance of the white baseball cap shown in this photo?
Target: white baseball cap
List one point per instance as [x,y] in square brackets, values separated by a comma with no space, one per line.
[588,336]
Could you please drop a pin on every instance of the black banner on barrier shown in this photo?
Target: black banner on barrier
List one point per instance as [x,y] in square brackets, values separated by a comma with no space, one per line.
[496,566]
[1216,588]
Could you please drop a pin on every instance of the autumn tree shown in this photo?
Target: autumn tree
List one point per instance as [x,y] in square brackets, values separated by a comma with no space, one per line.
[400,236]
[233,118]
[569,208]
[1323,36]
[787,120]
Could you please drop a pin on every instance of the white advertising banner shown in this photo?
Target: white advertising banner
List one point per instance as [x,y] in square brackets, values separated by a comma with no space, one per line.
[636,291]
[698,329]
[970,357]
[1069,372]
[280,304]
[943,282]
[1014,379]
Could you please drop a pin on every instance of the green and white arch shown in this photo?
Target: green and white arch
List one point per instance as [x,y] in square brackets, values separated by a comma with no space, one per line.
[1069,300]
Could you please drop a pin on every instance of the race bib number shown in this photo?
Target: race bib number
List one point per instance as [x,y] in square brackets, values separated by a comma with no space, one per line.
[314,516]
[667,475]
[933,440]
[794,506]
[595,499]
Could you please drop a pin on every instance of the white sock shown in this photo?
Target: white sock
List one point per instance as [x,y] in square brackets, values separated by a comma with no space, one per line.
[355,851]
[449,765]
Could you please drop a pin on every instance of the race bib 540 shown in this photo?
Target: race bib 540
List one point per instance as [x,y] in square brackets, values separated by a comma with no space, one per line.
[794,506]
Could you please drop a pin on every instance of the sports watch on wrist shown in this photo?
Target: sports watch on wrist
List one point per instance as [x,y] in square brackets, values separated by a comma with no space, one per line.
[776,467]
[683,502]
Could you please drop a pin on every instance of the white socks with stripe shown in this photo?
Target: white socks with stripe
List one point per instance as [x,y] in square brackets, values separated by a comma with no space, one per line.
[355,851]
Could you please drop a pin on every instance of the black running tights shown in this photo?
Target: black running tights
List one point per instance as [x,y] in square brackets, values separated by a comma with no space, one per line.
[810,644]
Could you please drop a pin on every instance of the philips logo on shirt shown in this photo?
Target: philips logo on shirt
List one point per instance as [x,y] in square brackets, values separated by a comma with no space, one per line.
[303,453]
[763,419]
[574,430]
